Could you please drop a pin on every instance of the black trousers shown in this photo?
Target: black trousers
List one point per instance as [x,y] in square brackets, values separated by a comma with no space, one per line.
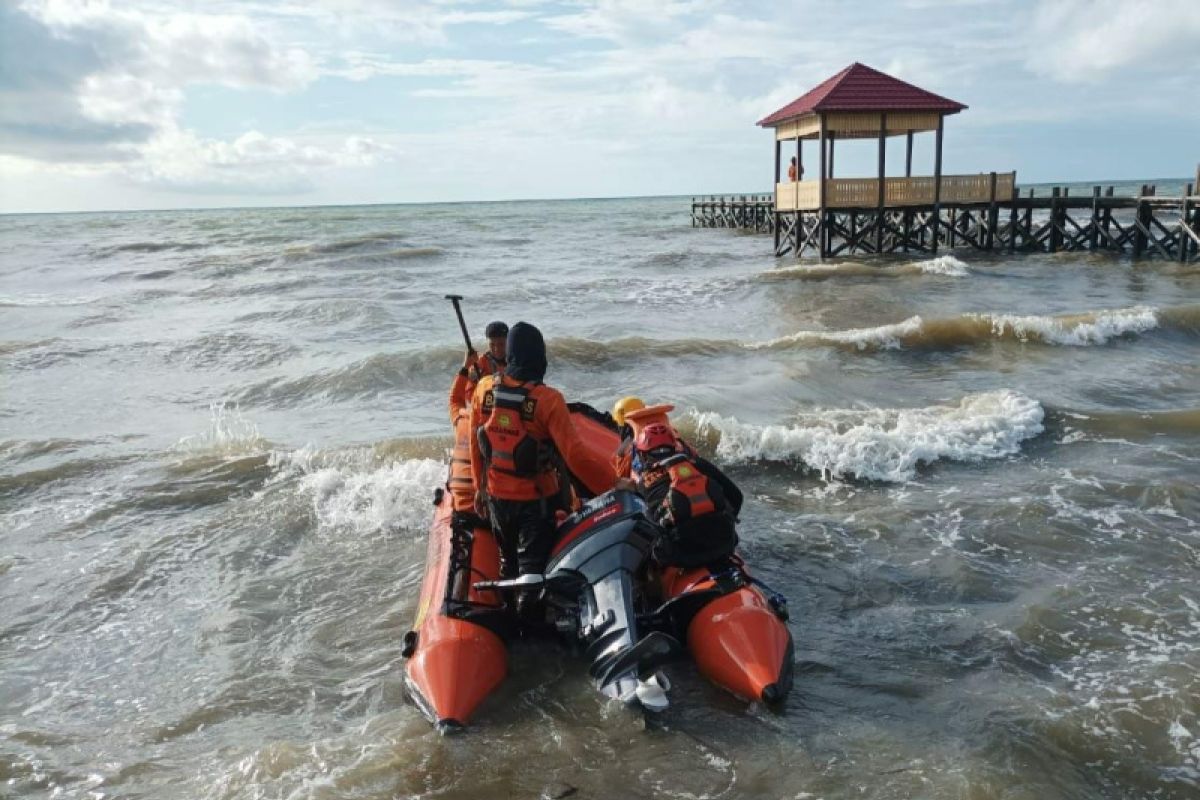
[525,532]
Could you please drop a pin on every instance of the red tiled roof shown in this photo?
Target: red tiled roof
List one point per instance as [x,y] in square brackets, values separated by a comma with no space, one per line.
[860,88]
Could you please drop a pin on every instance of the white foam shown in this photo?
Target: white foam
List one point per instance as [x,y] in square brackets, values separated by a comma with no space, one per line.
[351,492]
[944,265]
[885,444]
[229,433]
[1085,329]
[35,300]
[884,336]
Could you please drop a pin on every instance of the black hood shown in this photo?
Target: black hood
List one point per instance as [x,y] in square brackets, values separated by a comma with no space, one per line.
[526,353]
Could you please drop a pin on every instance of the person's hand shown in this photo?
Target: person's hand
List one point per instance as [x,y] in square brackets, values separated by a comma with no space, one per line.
[625,485]
[469,359]
[481,504]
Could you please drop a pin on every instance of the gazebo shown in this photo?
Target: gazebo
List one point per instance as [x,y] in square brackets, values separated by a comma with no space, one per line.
[863,103]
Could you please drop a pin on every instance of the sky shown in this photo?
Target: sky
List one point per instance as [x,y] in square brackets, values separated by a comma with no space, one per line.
[146,104]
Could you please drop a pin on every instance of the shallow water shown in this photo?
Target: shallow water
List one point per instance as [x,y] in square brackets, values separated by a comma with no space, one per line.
[974,476]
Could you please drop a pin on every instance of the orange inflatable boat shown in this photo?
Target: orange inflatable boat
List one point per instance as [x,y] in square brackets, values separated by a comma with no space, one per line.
[601,591]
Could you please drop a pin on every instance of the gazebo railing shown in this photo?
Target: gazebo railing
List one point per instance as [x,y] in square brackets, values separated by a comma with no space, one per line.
[897,192]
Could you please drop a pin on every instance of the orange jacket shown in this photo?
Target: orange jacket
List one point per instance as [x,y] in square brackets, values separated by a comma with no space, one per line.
[460,395]
[463,388]
[551,420]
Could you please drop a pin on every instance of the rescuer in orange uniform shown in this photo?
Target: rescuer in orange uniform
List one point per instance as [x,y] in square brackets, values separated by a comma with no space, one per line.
[461,483]
[520,426]
[694,502]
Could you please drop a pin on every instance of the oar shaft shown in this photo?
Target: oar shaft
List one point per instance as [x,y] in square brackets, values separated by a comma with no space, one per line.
[455,299]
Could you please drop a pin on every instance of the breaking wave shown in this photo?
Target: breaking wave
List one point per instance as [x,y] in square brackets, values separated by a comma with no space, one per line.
[1077,330]
[882,444]
[352,491]
[948,266]
[228,433]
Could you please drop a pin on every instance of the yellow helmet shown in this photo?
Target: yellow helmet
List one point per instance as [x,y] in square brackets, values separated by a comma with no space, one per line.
[624,406]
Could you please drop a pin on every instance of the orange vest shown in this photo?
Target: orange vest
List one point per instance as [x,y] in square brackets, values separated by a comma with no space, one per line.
[517,462]
[677,491]
[460,483]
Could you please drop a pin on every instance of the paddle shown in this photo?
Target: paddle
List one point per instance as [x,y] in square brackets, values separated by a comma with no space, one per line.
[455,299]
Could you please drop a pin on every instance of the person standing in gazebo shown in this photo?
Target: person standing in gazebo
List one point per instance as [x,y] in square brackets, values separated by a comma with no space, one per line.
[795,171]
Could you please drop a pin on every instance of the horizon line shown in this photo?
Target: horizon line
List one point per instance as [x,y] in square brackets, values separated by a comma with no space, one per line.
[175,209]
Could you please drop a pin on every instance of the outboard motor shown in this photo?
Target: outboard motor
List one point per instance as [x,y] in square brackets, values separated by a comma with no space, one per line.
[591,575]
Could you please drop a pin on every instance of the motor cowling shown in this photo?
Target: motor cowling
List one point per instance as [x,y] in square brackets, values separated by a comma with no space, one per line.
[600,549]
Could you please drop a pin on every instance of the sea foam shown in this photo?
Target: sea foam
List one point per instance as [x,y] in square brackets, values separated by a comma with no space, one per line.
[353,491]
[884,444]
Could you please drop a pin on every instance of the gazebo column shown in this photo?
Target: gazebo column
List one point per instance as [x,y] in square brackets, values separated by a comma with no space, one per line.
[830,136]
[937,182]
[775,192]
[908,156]
[821,228]
[799,161]
[882,179]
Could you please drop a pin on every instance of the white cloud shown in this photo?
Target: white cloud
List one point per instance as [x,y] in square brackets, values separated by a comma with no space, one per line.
[1086,40]
[253,162]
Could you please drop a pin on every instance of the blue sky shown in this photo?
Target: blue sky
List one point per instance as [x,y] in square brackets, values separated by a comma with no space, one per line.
[174,104]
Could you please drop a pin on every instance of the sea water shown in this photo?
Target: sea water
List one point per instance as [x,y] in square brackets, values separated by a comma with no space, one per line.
[975,477]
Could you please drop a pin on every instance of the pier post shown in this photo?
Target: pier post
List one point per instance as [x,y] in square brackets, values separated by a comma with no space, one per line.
[882,180]
[1139,236]
[1094,228]
[1055,233]
[937,183]
[1185,242]
[993,213]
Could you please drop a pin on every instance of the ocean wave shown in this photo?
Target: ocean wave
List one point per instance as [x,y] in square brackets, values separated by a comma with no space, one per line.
[942,265]
[232,351]
[1134,424]
[137,275]
[882,444]
[395,254]
[351,491]
[947,266]
[228,434]
[1077,330]
[367,240]
[146,247]
[37,300]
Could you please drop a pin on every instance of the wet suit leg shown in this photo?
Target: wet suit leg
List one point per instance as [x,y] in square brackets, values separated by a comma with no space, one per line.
[526,532]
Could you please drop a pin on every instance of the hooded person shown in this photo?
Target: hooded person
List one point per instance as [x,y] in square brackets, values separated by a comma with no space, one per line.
[520,424]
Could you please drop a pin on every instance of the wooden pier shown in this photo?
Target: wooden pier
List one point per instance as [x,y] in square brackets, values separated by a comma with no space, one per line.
[922,213]
[747,212]
[1145,225]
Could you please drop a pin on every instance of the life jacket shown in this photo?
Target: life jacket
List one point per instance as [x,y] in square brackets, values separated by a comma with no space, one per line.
[460,483]
[691,508]
[514,458]
[486,364]
[678,492]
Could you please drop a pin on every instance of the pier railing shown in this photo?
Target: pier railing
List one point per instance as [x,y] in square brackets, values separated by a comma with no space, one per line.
[897,192]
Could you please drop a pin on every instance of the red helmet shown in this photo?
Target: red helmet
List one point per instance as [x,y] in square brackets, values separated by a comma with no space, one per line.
[656,437]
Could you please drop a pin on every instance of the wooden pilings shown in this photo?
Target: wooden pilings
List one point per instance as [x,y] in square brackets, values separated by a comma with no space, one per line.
[1146,225]
[753,212]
